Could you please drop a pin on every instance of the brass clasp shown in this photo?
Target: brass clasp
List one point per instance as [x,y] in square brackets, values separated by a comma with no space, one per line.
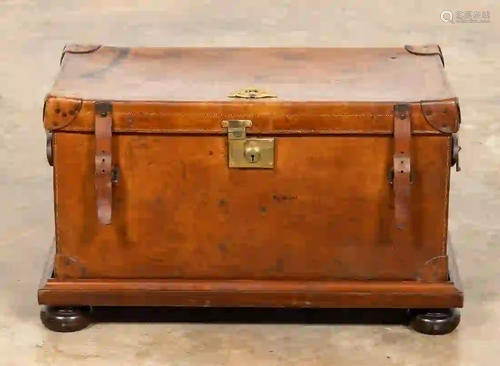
[252,93]
[246,152]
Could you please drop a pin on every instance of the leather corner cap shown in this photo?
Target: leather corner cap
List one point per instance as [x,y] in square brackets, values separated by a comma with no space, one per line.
[79,48]
[68,267]
[59,113]
[435,269]
[426,50]
[443,116]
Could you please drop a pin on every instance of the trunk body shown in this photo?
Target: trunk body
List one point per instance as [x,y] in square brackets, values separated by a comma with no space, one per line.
[359,143]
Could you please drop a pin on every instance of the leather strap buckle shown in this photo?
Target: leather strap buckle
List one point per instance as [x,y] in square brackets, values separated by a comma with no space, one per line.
[103,161]
[402,174]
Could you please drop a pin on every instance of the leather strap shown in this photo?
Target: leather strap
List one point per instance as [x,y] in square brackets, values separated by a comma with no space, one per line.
[402,174]
[103,161]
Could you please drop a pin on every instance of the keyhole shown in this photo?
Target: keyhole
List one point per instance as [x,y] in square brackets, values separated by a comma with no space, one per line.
[252,154]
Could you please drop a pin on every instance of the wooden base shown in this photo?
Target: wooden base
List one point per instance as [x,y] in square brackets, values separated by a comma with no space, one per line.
[239,293]
[335,294]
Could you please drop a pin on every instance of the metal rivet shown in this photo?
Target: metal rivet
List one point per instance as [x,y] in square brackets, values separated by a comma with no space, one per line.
[402,116]
[103,114]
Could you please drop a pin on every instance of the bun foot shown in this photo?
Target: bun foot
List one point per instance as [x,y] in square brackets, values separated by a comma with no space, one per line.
[65,319]
[435,321]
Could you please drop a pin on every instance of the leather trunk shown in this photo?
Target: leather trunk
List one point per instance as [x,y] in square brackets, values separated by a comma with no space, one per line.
[301,164]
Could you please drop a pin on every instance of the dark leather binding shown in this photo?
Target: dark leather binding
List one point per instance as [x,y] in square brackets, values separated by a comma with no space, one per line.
[426,50]
[78,48]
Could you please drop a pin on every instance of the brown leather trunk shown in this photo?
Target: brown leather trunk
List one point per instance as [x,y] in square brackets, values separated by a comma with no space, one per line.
[265,165]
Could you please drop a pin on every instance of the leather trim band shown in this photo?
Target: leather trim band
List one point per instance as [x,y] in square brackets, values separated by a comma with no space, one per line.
[274,118]
[402,174]
[103,161]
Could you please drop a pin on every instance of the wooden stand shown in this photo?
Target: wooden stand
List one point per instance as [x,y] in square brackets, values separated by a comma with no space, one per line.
[432,305]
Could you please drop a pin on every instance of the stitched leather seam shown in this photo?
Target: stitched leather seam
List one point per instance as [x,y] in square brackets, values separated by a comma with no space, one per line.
[270,132]
[224,115]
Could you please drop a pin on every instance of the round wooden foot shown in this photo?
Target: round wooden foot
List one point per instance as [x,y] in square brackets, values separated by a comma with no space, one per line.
[65,319]
[435,321]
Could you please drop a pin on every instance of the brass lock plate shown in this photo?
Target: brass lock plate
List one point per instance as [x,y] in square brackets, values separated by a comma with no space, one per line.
[248,152]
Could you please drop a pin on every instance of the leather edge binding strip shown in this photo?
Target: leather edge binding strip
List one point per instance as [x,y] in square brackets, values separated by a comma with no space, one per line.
[426,50]
[78,48]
